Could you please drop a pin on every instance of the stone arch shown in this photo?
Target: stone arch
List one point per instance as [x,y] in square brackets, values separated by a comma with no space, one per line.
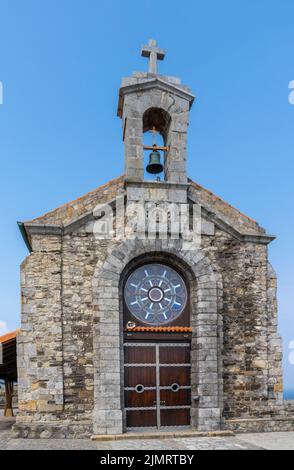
[206,322]
[157,117]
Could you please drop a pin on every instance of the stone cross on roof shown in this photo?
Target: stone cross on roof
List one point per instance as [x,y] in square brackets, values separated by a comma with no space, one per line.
[154,53]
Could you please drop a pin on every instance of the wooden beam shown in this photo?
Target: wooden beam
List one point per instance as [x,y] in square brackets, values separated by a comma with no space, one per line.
[8,411]
[155,147]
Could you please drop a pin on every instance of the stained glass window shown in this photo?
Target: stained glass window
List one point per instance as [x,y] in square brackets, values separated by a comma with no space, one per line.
[155,294]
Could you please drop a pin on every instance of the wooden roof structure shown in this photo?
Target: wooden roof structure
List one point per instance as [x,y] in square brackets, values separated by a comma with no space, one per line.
[8,364]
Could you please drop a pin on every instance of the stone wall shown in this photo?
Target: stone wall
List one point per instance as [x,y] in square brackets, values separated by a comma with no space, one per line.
[55,346]
[61,319]
[40,345]
[279,420]
[206,371]
[271,424]
[289,407]
[70,367]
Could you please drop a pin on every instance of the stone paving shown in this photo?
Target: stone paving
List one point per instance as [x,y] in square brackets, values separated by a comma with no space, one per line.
[277,441]
[201,443]
[270,440]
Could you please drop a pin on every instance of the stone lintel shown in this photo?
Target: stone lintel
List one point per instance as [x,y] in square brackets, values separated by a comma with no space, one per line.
[153,191]
[156,184]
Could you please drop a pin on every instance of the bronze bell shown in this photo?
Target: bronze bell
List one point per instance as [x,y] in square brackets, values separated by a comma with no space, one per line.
[154,165]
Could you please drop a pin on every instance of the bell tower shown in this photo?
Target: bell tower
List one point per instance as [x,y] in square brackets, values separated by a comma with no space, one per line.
[152,102]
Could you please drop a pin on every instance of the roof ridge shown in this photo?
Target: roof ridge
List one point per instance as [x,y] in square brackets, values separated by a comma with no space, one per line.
[75,200]
[222,200]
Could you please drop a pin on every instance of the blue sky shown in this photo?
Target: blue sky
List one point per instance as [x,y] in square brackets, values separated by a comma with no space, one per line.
[61,63]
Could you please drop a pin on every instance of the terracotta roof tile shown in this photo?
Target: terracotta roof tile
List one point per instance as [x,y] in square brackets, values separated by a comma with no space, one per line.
[168,329]
[9,336]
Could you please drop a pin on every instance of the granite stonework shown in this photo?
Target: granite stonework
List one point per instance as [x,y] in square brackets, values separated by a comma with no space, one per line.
[69,349]
[147,100]
[70,354]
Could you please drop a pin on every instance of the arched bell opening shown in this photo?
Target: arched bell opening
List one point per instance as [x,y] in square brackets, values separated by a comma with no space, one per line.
[156,122]
[156,117]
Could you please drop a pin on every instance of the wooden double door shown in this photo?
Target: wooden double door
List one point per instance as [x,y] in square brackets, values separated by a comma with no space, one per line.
[157,387]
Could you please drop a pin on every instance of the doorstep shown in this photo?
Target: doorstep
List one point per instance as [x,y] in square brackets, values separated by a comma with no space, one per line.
[160,435]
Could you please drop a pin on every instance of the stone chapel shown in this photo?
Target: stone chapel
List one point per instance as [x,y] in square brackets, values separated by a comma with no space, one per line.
[128,332]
